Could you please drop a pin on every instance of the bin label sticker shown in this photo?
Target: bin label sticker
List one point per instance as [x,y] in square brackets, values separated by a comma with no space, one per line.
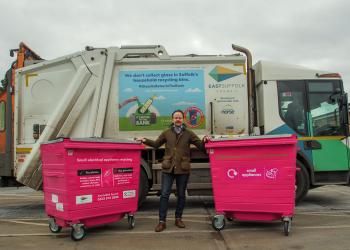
[107,196]
[59,206]
[122,176]
[83,199]
[129,194]
[89,178]
[251,173]
[54,198]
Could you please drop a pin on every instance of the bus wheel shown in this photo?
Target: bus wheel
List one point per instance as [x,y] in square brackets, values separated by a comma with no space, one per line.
[302,182]
[143,188]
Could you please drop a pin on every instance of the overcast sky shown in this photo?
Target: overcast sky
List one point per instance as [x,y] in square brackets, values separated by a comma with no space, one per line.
[309,33]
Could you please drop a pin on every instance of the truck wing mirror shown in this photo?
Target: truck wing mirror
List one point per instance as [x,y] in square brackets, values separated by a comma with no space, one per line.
[344,113]
[332,99]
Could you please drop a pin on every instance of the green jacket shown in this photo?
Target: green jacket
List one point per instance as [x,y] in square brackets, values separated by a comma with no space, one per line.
[177,149]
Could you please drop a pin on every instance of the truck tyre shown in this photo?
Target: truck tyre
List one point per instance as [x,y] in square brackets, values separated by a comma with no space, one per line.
[143,188]
[3,181]
[302,182]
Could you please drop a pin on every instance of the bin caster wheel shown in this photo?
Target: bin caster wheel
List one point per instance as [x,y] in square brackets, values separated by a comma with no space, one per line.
[131,221]
[78,232]
[287,225]
[54,227]
[218,222]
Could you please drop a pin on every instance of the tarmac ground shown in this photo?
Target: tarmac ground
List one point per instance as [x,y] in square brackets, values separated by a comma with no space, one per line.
[321,221]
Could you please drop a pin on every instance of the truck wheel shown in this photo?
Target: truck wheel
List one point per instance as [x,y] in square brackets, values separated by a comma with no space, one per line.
[302,182]
[3,181]
[143,188]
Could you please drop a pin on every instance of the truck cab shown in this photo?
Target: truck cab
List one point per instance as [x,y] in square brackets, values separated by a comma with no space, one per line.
[313,105]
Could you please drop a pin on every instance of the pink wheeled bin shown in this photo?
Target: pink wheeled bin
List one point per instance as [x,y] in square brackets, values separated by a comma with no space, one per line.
[253,179]
[89,182]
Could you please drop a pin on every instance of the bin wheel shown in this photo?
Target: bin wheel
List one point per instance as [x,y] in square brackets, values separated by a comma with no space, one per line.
[230,219]
[54,227]
[287,227]
[218,222]
[131,221]
[77,233]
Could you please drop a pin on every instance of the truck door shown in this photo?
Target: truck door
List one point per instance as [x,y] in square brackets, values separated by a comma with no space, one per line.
[311,110]
[329,153]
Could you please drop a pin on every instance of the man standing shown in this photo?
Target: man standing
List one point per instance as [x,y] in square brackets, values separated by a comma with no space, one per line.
[175,165]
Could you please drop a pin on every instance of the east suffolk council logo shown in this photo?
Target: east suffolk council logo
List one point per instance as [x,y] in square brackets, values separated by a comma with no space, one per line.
[220,73]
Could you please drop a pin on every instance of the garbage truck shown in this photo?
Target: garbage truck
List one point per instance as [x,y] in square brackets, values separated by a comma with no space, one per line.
[130,91]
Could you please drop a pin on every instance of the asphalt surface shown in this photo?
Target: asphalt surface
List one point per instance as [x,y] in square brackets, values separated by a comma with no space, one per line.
[321,221]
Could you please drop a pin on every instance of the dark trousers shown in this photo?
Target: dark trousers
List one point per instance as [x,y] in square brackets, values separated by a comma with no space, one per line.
[181,184]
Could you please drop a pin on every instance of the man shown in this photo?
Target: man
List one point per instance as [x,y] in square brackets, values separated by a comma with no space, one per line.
[175,165]
[294,116]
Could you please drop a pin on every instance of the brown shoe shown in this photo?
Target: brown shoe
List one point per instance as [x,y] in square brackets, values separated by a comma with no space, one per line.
[160,227]
[179,223]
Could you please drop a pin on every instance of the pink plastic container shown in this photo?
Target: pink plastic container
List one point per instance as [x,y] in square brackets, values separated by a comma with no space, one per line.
[89,182]
[253,178]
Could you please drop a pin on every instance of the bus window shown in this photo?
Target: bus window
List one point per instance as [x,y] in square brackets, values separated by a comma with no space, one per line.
[2,116]
[291,102]
[324,108]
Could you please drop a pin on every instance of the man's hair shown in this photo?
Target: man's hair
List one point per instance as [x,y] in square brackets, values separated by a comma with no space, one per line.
[176,111]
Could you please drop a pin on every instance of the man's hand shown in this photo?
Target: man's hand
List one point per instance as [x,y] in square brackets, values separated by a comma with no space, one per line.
[140,139]
[206,138]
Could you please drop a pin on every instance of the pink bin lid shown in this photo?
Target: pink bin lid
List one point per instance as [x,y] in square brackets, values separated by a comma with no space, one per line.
[252,141]
[97,143]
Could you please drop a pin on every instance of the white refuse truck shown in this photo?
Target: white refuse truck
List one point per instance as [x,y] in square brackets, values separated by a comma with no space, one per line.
[131,91]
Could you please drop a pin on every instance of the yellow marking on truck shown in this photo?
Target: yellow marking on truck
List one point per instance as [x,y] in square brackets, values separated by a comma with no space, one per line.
[23,150]
[27,78]
[243,66]
[318,138]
